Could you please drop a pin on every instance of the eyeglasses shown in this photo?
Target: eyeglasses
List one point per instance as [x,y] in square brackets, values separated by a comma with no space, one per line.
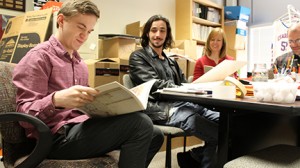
[297,41]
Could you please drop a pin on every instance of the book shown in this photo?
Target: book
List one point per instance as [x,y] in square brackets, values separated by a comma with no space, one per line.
[193,88]
[187,90]
[115,99]
[221,71]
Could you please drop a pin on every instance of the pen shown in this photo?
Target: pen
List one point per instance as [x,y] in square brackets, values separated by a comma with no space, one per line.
[283,69]
[275,69]
[292,61]
[288,63]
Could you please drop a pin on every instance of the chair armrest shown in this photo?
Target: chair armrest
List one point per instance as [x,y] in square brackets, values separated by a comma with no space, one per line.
[44,142]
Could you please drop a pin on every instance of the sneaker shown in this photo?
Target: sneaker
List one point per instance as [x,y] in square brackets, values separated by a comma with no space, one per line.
[185,160]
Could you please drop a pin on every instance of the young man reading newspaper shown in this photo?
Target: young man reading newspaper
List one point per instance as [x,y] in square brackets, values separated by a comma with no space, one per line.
[52,80]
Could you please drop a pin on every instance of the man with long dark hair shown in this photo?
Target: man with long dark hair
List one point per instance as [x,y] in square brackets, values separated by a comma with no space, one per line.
[151,62]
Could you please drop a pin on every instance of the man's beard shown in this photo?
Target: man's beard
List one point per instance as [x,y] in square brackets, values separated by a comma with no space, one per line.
[156,46]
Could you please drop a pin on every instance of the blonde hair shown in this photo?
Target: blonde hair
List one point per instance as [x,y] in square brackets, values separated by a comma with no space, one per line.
[212,34]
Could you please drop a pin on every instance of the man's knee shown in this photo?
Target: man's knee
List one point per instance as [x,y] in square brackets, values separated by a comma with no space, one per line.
[143,120]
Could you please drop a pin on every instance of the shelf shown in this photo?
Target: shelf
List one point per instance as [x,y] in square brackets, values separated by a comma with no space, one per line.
[200,42]
[208,3]
[205,22]
[185,21]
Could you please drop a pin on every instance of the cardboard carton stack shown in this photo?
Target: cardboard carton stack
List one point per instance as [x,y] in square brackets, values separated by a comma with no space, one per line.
[135,29]
[102,71]
[189,49]
[237,33]
[113,59]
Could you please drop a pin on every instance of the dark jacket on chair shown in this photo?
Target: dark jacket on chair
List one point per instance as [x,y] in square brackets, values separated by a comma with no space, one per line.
[144,67]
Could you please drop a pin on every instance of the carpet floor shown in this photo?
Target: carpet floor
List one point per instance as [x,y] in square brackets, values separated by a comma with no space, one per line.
[160,158]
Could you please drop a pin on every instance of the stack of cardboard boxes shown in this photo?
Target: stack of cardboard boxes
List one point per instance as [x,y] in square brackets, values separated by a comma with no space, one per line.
[113,60]
[237,33]
[189,50]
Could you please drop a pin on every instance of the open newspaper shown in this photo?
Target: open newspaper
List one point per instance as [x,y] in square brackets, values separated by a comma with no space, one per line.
[116,99]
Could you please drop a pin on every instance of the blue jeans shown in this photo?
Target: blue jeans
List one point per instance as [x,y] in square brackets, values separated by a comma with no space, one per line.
[200,122]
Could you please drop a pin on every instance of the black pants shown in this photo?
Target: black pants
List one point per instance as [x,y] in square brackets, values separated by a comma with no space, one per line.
[133,134]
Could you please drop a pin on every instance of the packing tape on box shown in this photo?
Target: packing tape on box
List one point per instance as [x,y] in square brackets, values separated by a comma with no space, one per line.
[238,84]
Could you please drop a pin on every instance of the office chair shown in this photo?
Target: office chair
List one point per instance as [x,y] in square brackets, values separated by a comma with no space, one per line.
[169,131]
[22,152]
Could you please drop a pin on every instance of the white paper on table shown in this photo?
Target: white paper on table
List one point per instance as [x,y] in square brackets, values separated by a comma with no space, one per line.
[221,71]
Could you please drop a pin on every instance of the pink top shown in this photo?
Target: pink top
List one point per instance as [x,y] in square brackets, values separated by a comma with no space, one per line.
[204,60]
[45,69]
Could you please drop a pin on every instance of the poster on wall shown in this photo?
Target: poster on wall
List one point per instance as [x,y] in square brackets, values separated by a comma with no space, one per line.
[10,37]
[17,5]
[3,22]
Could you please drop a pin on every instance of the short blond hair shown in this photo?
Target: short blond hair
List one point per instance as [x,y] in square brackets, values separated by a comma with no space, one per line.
[71,8]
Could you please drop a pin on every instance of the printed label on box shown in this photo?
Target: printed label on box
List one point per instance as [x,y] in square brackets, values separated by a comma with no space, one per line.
[107,72]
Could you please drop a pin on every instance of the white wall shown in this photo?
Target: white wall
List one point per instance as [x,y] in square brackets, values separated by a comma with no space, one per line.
[259,48]
[116,14]
[266,11]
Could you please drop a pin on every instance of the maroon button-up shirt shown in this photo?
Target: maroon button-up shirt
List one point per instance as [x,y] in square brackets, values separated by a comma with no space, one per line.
[45,69]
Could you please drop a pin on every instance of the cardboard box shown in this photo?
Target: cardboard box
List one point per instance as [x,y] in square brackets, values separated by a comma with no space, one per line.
[236,39]
[241,32]
[10,37]
[237,13]
[189,47]
[124,69]
[134,29]
[34,30]
[239,24]
[102,71]
[182,64]
[240,55]
[190,68]
[116,47]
